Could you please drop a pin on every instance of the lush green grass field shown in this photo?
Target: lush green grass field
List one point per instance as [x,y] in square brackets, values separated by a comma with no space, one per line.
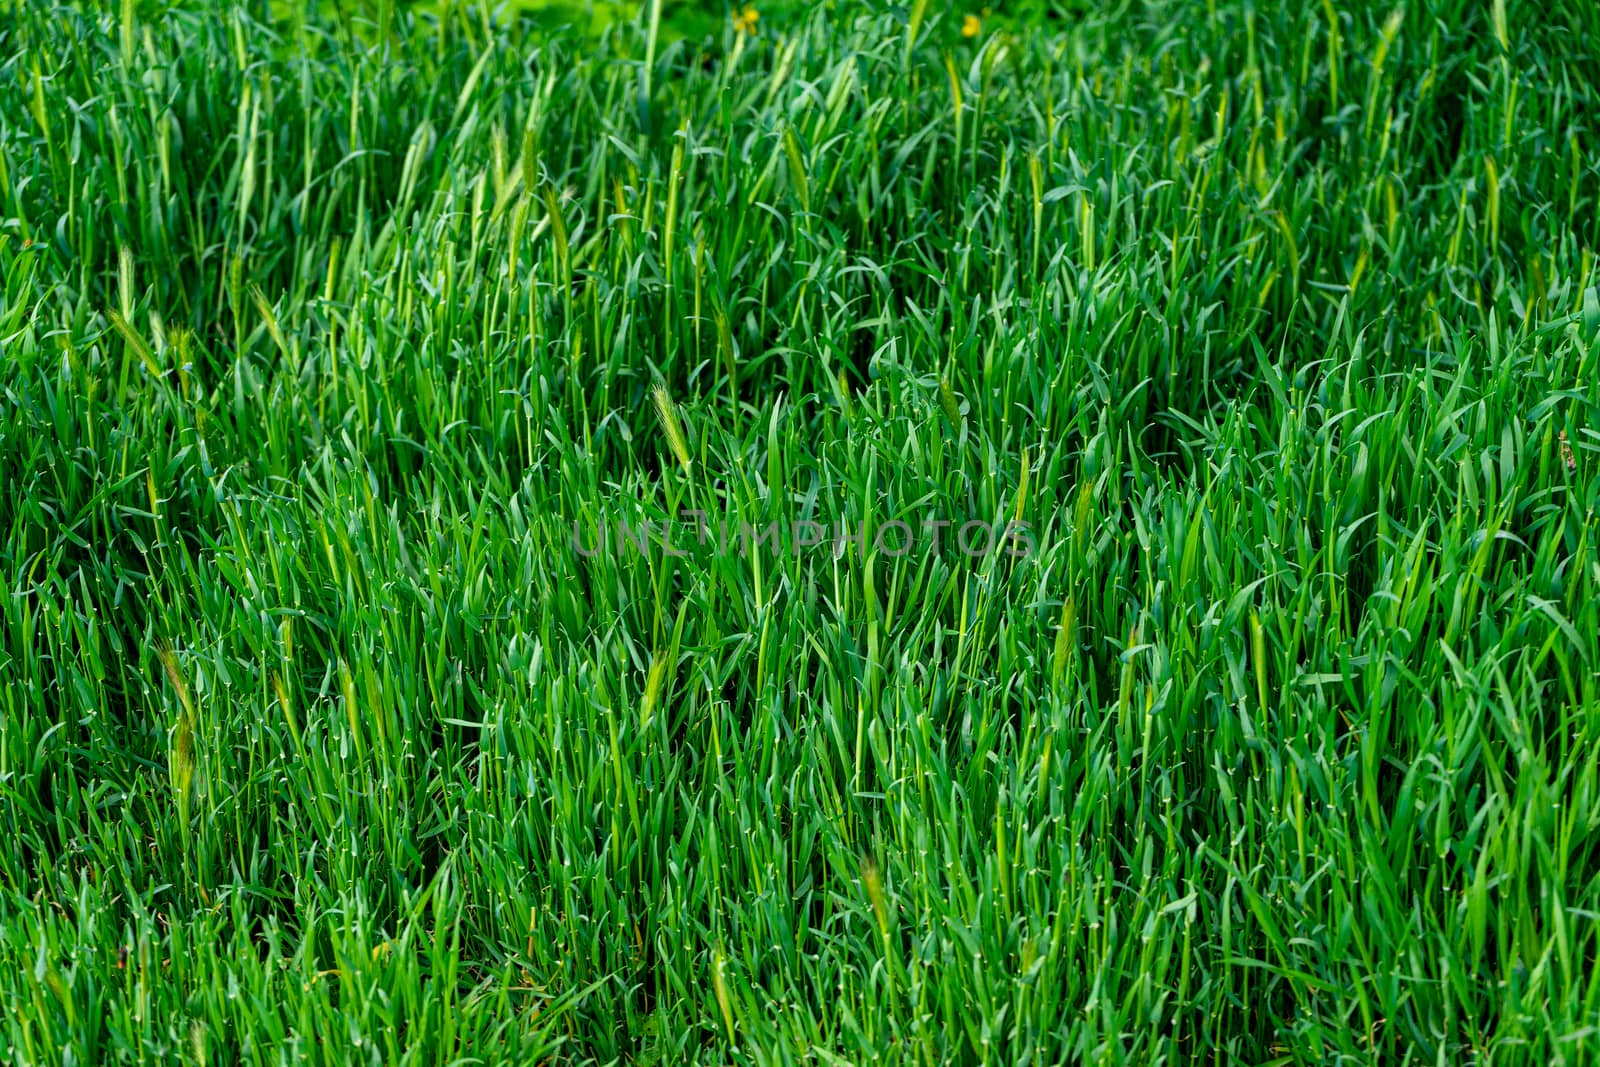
[322,740]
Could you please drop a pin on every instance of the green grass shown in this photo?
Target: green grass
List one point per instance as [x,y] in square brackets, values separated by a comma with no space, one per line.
[320,741]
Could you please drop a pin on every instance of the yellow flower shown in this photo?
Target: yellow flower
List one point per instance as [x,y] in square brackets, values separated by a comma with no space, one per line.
[971,26]
[745,21]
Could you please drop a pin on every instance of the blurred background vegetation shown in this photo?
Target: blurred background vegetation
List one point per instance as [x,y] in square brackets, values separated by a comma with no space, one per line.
[698,19]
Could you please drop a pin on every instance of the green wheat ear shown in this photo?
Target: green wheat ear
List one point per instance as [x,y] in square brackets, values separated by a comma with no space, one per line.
[183,745]
[652,691]
[668,414]
[719,987]
[947,400]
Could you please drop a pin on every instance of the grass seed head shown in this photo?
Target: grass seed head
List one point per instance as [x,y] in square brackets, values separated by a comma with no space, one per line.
[652,690]
[667,412]
[719,985]
[874,886]
[183,740]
